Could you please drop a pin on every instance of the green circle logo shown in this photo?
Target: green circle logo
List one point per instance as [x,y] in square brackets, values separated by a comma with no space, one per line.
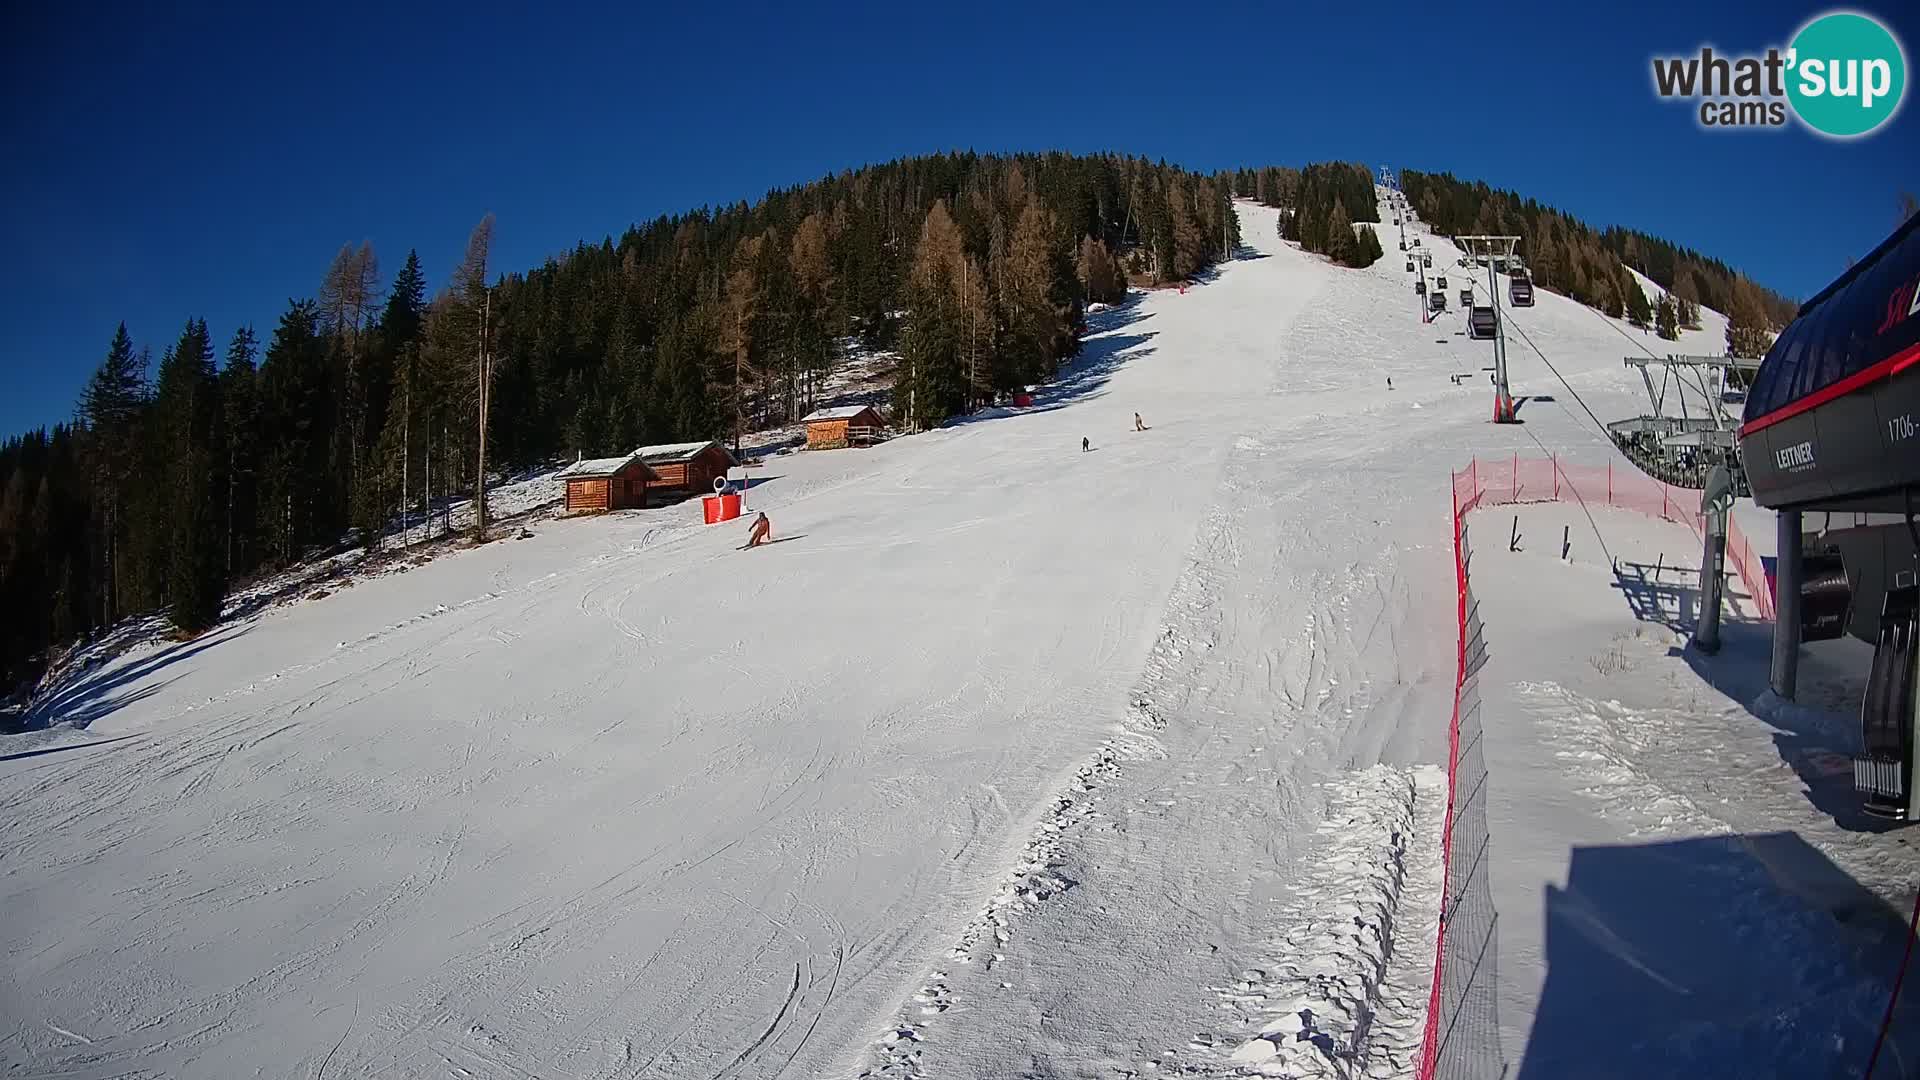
[1846,74]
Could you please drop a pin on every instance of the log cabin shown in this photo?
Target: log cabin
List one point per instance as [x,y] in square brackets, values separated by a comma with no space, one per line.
[682,469]
[849,425]
[597,485]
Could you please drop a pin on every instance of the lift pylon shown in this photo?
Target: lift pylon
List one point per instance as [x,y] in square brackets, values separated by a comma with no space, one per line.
[1498,251]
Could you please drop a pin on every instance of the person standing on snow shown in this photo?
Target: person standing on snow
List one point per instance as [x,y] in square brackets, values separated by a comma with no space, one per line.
[761,531]
[1085,444]
[1138,424]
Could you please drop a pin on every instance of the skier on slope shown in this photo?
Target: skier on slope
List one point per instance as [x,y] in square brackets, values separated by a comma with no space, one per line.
[762,530]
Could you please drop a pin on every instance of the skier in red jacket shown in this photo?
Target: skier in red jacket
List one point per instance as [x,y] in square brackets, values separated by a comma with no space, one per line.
[761,532]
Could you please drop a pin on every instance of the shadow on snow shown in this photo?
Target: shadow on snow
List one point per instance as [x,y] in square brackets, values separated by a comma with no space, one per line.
[1740,955]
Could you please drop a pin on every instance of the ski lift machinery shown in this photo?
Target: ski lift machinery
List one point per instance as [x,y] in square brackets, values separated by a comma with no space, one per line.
[1493,252]
[1681,450]
[1827,439]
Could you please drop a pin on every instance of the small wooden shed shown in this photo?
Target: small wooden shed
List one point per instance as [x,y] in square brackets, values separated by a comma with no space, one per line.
[685,468]
[596,485]
[849,425]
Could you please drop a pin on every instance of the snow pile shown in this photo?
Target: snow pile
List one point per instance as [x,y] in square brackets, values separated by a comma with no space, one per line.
[1610,749]
[1316,1000]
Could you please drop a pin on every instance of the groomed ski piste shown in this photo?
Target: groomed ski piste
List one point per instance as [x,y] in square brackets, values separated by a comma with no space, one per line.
[1017,760]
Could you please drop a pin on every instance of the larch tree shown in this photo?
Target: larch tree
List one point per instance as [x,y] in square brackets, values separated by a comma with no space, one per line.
[1748,334]
[813,286]
[346,303]
[932,378]
[740,331]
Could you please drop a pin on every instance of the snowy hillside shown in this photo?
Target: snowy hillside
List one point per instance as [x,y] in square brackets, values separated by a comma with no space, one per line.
[1006,759]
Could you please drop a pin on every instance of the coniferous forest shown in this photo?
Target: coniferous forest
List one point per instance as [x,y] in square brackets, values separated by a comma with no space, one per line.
[226,458]
[1589,265]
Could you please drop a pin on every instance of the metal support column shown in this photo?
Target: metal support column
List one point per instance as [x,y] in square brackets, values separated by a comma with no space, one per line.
[1713,564]
[1786,606]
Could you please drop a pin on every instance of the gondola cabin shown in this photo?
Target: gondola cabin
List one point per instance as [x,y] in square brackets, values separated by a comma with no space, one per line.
[1481,323]
[1436,301]
[1520,291]
[1466,298]
[682,469]
[597,485]
[1419,288]
[1829,437]
[1440,281]
[1409,266]
[851,425]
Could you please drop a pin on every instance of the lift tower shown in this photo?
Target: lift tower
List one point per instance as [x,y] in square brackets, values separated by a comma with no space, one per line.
[1498,252]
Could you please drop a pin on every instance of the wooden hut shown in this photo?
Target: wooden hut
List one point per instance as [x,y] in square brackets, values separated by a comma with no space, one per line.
[681,469]
[597,485]
[850,425]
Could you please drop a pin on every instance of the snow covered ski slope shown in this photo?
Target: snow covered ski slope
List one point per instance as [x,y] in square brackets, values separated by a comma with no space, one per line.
[1009,760]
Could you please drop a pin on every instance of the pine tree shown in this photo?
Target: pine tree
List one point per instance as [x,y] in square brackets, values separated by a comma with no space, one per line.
[188,412]
[1666,318]
[111,406]
[406,305]
[1342,248]
[291,395]
[1370,250]
[239,399]
[1639,312]
[1189,244]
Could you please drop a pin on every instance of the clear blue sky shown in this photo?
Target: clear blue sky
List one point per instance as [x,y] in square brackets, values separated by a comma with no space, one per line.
[163,162]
